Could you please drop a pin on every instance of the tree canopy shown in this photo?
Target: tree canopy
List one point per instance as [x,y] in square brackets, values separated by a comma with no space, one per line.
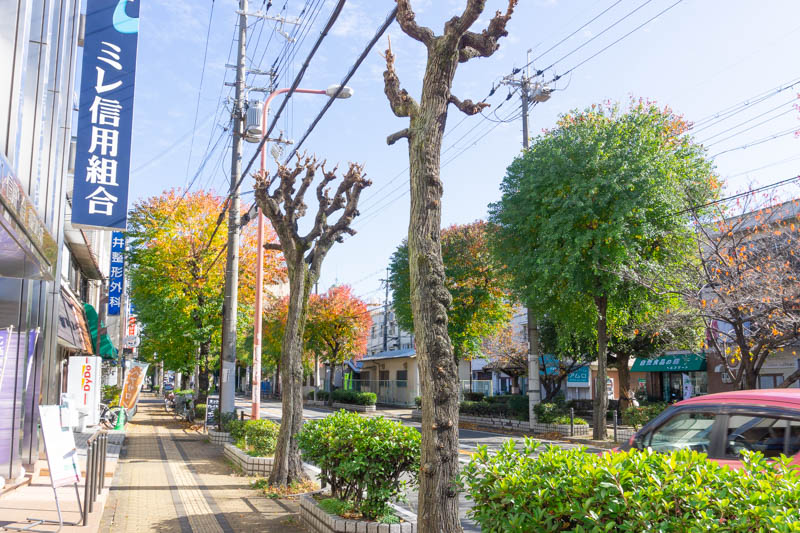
[176,264]
[480,306]
[595,201]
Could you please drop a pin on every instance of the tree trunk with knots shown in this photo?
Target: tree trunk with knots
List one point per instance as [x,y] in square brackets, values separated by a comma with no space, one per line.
[304,255]
[438,496]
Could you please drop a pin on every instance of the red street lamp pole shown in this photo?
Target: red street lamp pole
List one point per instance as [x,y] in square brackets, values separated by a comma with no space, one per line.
[255,410]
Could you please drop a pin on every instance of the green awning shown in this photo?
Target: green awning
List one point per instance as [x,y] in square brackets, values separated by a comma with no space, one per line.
[107,350]
[686,362]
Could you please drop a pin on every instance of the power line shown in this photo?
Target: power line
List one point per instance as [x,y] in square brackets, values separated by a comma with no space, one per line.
[774,163]
[711,125]
[791,110]
[757,142]
[753,100]
[648,21]
[199,92]
[529,63]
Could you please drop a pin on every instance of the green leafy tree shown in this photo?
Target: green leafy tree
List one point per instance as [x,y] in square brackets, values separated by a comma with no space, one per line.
[176,265]
[337,328]
[594,200]
[474,278]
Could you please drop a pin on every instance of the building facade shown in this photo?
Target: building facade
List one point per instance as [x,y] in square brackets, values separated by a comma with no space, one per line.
[49,270]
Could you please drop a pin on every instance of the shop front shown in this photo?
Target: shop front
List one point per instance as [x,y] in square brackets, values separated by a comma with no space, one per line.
[674,377]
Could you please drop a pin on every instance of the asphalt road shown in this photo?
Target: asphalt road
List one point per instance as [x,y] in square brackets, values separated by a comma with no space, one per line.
[468,441]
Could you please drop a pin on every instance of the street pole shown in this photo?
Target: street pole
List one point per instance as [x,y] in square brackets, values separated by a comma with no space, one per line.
[230,306]
[259,307]
[386,313]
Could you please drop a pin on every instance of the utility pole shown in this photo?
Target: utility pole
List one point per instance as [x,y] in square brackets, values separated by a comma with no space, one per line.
[530,91]
[386,313]
[230,306]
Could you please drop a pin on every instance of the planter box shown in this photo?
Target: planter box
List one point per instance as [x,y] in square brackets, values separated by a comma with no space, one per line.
[345,406]
[219,437]
[251,466]
[321,522]
[354,407]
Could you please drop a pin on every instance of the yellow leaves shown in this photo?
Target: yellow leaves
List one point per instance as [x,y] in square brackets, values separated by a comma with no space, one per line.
[703,303]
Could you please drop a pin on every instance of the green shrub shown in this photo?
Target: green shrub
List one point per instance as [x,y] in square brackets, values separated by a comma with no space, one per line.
[418,402]
[111,395]
[564,420]
[156,388]
[547,413]
[474,396]
[226,420]
[483,409]
[322,395]
[256,437]
[639,416]
[200,411]
[518,404]
[184,392]
[363,459]
[355,397]
[335,506]
[573,490]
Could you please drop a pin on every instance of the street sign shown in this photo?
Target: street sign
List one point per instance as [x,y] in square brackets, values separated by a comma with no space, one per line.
[105,116]
[116,273]
[212,405]
[132,341]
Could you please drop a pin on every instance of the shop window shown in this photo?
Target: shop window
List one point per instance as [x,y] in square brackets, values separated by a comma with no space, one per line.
[686,430]
[772,436]
[402,378]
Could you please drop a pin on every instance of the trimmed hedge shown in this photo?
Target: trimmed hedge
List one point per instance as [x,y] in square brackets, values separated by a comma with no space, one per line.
[507,406]
[354,397]
[474,396]
[260,437]
[322,395]
[630,492]
[639,416]
[365,460]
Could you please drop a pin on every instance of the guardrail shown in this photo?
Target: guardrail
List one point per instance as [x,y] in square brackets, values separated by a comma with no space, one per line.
[96,448]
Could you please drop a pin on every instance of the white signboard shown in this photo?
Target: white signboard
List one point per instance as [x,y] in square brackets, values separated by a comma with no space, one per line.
[60,446]
[83,383]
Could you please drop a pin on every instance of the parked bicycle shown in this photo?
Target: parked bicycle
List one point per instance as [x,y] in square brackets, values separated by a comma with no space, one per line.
[169,401]
[110,415]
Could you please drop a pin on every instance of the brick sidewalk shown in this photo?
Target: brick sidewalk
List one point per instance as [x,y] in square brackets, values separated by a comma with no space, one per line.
[171,480]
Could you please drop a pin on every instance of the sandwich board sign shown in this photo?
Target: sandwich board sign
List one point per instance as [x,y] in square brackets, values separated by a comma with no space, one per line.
[212,405]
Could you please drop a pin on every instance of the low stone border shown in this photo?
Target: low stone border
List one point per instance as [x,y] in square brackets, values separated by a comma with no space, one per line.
[251,466]
[321,522]
[219,437]
[520,425]
[345,406]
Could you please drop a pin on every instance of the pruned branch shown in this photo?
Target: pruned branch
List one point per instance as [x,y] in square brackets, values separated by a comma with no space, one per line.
[408,23]
[401,102]
[484,44]
[405,133]
[467,106]
[270,246]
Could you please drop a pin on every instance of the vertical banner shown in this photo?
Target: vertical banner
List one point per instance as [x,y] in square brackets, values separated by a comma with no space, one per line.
[105,116]
[83,383]
[116,273]
[134,378]
[60,446]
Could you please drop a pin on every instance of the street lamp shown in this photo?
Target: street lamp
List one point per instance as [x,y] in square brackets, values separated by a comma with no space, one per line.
[345,92]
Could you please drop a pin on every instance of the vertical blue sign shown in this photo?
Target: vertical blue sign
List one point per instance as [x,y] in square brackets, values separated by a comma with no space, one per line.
[116,274]
[105,117]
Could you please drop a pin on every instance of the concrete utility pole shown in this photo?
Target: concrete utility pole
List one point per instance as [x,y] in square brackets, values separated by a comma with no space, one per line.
[530,92]
[386,313]
[230,306]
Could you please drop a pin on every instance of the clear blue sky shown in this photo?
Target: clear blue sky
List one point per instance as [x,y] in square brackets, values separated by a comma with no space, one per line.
[700,57]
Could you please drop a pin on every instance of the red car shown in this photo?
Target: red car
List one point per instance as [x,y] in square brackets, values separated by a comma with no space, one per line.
[722,425]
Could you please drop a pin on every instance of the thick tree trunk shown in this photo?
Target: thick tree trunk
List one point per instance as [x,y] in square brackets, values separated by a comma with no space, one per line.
[624,373]
[430,300]
[203,374]
[287,465]
[600,403]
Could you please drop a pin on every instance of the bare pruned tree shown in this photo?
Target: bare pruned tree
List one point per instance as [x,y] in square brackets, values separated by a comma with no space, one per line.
[284,207]
[507,353]
[438,498]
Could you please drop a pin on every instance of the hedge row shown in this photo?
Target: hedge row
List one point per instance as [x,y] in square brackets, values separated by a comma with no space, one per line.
[365,460]
[347,396]
[507,406]
[256,437]
[573,490]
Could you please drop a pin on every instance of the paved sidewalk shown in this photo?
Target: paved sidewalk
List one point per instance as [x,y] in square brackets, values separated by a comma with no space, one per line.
[171,480]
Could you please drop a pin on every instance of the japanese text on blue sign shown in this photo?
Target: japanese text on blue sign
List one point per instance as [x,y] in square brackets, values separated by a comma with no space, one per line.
[105,117]
[116,274]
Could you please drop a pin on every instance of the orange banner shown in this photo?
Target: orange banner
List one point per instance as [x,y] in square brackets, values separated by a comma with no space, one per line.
[134,378]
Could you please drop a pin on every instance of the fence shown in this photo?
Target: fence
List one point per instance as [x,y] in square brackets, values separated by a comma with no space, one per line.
[389,392]
[476,385]
[96,448]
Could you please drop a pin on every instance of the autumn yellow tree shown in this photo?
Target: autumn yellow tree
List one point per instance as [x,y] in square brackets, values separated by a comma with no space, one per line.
[176,268]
